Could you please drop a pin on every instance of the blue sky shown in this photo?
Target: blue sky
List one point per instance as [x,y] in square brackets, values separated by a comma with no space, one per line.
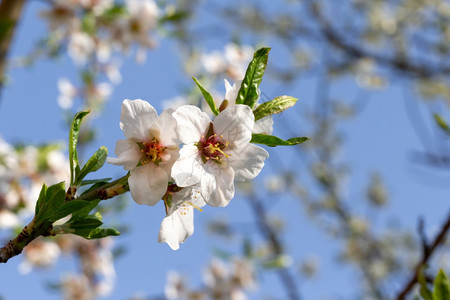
[379,138]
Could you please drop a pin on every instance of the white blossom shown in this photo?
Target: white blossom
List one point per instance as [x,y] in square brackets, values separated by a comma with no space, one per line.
[264,125]
[149,151]
[67,93]
[216,153]
[178,225]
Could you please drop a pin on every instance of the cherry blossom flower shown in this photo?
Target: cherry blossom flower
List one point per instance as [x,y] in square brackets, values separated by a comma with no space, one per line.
[67,93]
[232,62]
[8,219]
[213,62]
[216,153]
[61,15]
[176,287]
[81,45]
[264,125]
[238,57]
[178,225]
[40,253]
[149,151]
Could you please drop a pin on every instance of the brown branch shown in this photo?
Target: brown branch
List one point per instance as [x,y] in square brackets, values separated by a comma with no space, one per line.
[422,70]
[10,12]
[265,229]
[32,230]
[426,255]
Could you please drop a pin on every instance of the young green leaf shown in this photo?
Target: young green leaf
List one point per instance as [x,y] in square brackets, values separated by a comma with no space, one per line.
[248,93]
[41,200]
[51,205]
[442,123]
[73,140]
[88,227]
[273,141]
[49,199]
[209,99]
[99,233]
[94,163]
[441,287]
[274,106]
[424,290]
[92,181]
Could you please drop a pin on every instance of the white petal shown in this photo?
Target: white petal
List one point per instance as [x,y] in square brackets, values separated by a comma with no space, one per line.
[231,92]
[168,158]
[136,119]
[207,185]
[128,154]
[222,191]
[148,183]
[196,198]
[247,162]
[178,198]
[235,124]
[65,102]
[164,128]
[264,125]
[177,227]
[187,170]
[192,123]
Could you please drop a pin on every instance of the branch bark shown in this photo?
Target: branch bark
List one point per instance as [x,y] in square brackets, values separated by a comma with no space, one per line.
[32,231]
[265,229]
[10,12]
[426,255]
[332,36]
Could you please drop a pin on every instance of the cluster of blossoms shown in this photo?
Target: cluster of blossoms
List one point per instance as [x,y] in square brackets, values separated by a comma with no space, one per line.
[97,276]
[23,170]
[99,27]
[93,31]
[222,281]
[231,62]
[186,159]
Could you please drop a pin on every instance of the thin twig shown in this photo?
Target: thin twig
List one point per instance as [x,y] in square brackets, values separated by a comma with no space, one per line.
[426,255]
[32,231]
[10,12]
[265,229]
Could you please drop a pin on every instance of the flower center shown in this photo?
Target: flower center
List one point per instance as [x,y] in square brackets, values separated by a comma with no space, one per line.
[135,26]
[152,151]
[212,147]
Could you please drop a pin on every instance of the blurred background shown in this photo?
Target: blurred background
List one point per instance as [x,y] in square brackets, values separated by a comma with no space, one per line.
[350,214]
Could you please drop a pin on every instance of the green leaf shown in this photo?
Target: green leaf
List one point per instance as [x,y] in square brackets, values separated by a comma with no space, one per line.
[99,233]
[424,290]
[274,106]
[41,200]
[114,12]
[209,99]
[49,200]
[88,227]
[68,208]
[92,181]
[73,140]
[441,287]
[96,161]
[88,23]
[174,16]
[442,123]
[277,262]
[248,93]
[273,141]
[51,205]
[5,27]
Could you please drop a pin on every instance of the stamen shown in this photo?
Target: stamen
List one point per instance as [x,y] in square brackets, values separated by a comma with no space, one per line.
[194,206]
